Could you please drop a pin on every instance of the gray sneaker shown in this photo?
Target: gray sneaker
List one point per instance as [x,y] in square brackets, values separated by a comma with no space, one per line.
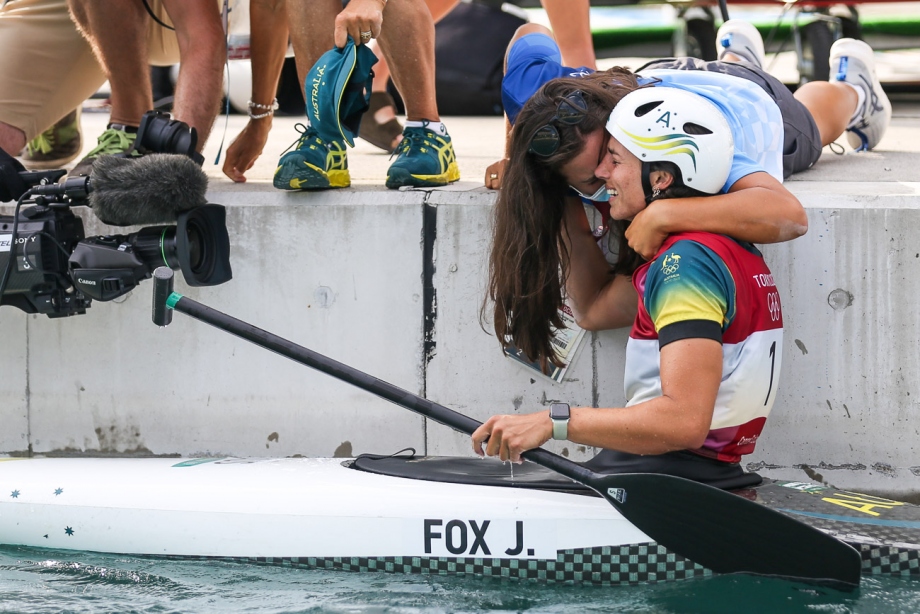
[742,39]
[853,61]
[56,146]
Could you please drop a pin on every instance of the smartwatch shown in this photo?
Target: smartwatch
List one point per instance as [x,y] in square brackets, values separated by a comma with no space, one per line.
[559,413]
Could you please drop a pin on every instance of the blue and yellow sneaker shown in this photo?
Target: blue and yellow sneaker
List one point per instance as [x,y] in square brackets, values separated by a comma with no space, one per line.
[424,159]
[315,164]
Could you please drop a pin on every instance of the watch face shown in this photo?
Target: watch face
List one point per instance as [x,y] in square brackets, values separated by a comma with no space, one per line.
[559,411]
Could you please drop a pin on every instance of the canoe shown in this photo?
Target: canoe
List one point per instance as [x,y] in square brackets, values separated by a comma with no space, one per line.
[452,516]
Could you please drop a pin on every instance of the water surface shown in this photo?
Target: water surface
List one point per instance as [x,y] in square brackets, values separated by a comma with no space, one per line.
[37,581]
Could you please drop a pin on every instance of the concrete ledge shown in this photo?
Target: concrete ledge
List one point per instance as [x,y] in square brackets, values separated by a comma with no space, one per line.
[345,273]
[391,282]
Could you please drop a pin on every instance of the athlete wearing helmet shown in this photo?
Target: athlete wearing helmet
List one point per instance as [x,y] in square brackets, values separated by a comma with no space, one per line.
[664,125]
[689,413]
[702,363]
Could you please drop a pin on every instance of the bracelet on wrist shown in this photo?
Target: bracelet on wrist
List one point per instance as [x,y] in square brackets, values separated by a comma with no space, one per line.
[269,109]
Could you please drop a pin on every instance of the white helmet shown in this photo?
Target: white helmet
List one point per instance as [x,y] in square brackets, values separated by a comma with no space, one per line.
[666,124]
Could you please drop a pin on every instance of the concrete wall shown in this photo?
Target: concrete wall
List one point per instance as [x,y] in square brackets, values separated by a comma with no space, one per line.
[849,405]
[345,274]
[343,279]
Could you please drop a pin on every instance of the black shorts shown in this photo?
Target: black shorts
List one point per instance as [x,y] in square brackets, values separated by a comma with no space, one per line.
[801,139]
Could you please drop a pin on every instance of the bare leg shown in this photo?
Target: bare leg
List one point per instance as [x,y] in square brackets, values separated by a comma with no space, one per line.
[122,52]
[381,70]
[407,39]
[572,29]
[12,139]
[200,82]
[438,9]
[311,24]
[830,104]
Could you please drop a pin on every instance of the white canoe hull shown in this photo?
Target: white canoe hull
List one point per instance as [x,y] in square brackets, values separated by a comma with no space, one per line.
[318,513]
[283,508]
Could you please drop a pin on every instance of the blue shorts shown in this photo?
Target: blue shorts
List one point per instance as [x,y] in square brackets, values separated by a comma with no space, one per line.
[533,60]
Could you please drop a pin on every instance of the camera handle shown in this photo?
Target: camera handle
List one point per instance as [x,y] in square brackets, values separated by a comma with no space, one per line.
[162,289]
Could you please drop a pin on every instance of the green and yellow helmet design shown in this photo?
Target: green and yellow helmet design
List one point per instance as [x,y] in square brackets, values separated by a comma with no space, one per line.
[666,124]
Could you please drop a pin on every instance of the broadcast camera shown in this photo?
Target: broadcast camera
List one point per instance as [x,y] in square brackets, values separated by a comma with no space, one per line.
[48,265]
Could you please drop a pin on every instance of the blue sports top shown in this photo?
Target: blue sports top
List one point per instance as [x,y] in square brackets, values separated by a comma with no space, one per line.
[754,117]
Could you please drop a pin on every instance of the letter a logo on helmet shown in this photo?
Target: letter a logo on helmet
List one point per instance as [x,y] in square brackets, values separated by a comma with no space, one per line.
[666,124]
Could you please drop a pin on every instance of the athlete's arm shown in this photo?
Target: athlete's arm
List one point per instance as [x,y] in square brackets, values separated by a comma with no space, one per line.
[757,208]
[691,371]
[600,299]
[269,41]
[496,170]
[690,304]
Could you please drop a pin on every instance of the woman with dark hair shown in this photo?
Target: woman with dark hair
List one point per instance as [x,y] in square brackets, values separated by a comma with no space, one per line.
[780,133]
[727,131]
[702,360]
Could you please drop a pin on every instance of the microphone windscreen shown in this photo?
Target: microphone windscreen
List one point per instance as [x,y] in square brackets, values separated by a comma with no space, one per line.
[151,189]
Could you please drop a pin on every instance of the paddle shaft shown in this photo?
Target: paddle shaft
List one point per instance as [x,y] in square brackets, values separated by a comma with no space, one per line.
[350,375]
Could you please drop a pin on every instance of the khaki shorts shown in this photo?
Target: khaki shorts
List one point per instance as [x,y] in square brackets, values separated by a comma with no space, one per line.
[47,68]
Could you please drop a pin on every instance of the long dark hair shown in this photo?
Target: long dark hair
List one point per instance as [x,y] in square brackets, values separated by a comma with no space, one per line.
[529,262]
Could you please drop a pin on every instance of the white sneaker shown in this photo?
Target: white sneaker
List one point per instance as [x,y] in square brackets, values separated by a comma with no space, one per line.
[853,62]
[742,39]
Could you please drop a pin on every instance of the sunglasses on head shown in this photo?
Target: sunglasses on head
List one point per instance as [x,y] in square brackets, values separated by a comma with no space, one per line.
[571,110]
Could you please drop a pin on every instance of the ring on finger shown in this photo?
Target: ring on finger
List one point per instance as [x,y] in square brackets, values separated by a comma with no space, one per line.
[366,36]
[493,176]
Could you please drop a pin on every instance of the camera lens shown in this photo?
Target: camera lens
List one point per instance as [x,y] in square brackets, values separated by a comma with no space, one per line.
[196,253]
[203,245]
[160,134]
[198,245]
[155,246]
[176,138]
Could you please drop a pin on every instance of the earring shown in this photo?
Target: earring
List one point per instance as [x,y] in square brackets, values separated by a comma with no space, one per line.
[656,192]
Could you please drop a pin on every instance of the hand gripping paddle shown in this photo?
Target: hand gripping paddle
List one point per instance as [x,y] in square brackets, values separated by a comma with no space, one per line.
[711,527]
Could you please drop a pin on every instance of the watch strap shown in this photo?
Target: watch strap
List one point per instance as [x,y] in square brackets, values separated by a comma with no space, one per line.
[561,429]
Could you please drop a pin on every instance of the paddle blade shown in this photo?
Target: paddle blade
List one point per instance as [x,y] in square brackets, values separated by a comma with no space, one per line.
[726,533]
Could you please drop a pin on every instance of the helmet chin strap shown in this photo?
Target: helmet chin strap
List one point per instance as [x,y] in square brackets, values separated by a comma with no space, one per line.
[647,182]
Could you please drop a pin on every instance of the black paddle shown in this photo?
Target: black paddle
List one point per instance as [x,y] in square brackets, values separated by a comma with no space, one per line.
[716,529]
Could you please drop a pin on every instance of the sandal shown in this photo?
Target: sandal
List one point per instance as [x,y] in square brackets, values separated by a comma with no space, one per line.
[377,134]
